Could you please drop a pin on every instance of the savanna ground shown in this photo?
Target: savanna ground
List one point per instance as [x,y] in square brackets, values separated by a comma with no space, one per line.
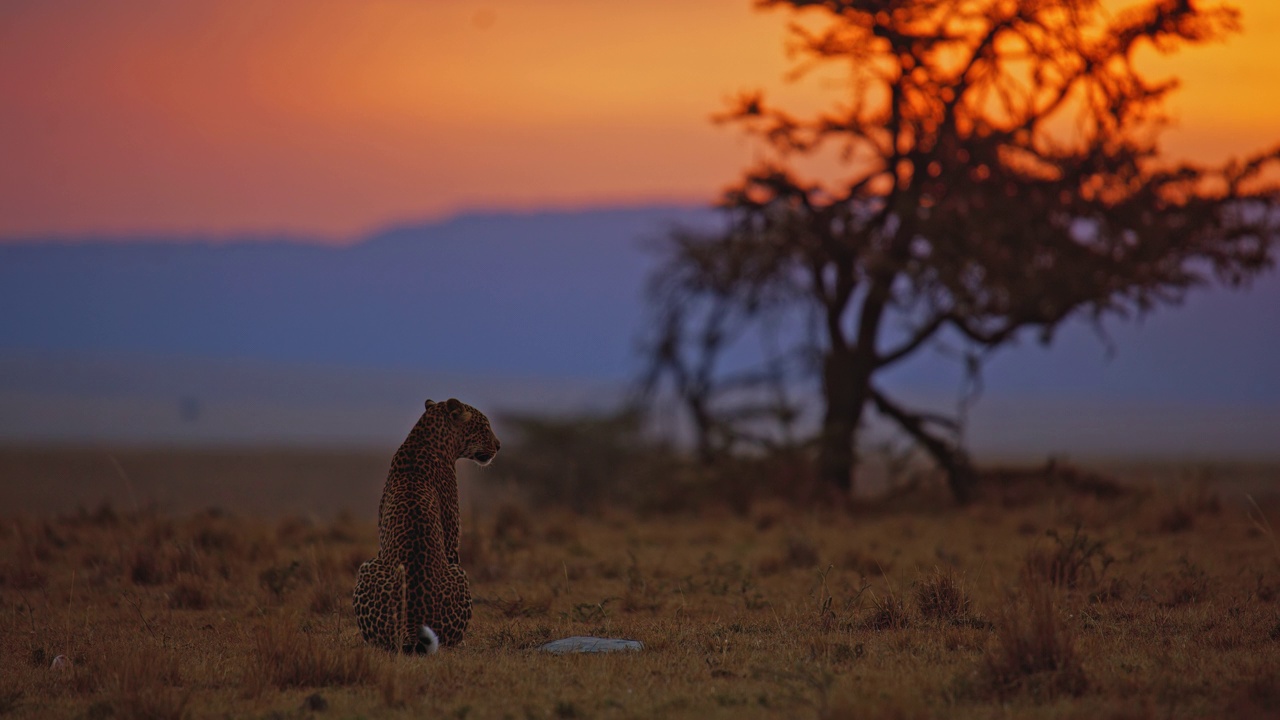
[1066,602]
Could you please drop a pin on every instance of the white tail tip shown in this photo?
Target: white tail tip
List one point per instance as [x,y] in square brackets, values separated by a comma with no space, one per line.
[428,637]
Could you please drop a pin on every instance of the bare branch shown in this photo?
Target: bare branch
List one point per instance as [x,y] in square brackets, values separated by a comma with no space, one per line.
[918,338]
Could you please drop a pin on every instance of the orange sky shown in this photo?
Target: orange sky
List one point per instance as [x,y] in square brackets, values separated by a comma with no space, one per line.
[334,117]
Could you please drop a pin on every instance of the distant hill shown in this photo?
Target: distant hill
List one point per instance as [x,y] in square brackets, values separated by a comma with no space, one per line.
[521,293]
[189,339]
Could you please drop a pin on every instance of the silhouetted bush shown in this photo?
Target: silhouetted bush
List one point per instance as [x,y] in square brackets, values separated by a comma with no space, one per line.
[584,461]
[587,461]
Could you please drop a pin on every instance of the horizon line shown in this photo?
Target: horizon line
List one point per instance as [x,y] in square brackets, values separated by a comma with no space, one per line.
[302,236]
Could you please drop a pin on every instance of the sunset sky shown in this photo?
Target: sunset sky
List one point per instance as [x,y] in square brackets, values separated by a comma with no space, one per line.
[333,118]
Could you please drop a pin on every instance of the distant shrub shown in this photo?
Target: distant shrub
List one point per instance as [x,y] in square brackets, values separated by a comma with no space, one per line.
[585,461]
[588,461]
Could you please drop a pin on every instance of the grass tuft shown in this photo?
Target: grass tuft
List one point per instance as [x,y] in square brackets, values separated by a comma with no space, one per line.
[1034,651]
[942,595]
[1070,562]
[888,612]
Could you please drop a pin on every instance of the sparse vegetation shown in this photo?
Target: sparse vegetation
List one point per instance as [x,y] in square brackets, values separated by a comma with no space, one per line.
[1064,605]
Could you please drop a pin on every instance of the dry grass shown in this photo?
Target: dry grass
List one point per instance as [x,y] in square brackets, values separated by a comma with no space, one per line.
[289,654]
[1163,604]
[1035,647]
[942,595]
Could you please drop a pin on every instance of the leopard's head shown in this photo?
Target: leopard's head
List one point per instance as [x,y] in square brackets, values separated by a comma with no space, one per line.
[478,441]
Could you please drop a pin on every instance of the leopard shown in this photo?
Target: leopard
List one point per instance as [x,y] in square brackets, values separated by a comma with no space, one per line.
[413,596]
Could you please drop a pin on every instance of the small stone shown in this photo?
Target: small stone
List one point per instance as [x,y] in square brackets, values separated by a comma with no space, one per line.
[587,644]
[61,662]
[315,702]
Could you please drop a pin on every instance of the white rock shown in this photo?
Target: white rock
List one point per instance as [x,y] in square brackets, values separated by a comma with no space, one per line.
[587,644]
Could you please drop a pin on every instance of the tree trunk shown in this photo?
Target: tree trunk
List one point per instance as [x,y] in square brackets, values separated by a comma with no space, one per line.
[704,425]
[844,391]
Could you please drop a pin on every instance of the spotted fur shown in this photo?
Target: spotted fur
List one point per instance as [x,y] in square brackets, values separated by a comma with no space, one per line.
[414,590]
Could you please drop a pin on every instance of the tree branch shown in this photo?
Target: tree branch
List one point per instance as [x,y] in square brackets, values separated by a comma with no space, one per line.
[953,460]
[985,337]
[921,335]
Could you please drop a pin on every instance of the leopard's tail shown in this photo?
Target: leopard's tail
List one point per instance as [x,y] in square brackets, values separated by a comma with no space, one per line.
[428,641]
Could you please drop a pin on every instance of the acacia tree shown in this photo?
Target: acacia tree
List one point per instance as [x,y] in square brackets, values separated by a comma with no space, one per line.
[999,174]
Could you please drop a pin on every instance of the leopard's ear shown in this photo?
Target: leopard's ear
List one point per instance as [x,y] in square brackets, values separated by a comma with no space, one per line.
[457,411]
[430,403]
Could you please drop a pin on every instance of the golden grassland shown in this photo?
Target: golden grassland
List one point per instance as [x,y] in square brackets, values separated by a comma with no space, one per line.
[1154,603]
